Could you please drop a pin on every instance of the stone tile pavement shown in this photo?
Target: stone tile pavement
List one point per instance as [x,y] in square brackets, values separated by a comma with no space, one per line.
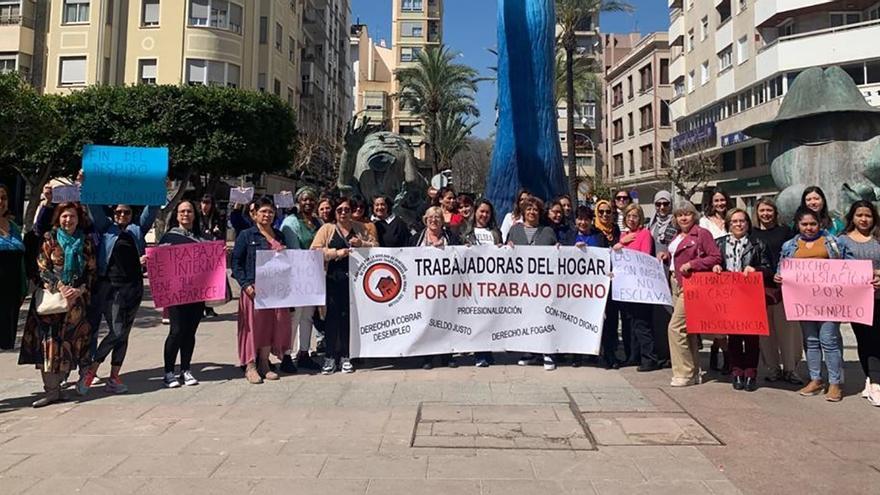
[394,428]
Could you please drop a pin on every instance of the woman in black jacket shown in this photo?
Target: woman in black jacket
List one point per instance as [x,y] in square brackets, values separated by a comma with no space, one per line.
[741,252]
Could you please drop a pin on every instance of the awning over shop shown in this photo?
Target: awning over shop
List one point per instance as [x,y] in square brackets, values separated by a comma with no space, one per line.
[750,187]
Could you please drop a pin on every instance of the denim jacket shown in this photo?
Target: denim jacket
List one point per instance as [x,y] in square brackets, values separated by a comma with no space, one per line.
[835,252]
[244,254]
[108,231]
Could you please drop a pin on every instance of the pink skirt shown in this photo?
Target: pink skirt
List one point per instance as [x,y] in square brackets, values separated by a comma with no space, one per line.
[261,328]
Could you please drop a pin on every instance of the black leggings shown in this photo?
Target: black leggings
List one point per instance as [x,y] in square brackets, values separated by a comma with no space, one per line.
[868,339]
[119,306]
[181,338]
[639,318]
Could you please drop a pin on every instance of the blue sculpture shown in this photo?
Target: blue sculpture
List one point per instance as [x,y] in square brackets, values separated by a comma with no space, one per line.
[527,152]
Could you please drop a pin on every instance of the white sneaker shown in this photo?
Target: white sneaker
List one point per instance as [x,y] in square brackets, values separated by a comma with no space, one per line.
[866,394]
[188,378]
[166,321]
[527,360]
[549,365]
[874,396]
[347,367]
[681,382]
[171,381]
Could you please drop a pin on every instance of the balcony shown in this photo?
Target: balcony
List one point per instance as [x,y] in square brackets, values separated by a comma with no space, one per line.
[832,46]
[772,12]
[314,22]
[724,35]
[676,28]
[676,4]
[677,68]
[16,34]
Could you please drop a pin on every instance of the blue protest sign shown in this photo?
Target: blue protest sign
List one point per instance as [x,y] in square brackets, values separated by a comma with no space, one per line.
[123,174]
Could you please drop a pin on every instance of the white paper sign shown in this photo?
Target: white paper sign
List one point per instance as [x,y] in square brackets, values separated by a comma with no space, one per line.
[241,195]
[284,199]
[65,194]
[421,301]
[639,278]
[292,278]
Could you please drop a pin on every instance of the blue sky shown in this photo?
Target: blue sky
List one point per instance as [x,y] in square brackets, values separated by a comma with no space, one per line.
[469,28]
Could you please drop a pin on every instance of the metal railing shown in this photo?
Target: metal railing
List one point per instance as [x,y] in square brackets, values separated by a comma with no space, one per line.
[819,32]
[16,20]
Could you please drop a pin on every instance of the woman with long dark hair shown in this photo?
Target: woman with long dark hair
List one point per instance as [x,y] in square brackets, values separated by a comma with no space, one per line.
[14,286]
[514,216]
[715,208]
[483,229]
[58,341]
[814,200]
[861,242]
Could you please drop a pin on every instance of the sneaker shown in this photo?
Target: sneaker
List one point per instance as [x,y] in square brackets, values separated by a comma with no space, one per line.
[347,367]
[329,366]
[866,394]
[482,363]
[115,386]
[815,387]
[685,382]
[874,397]
[166,321]
[85,382]
[304,361]
[527,360]
[188,378]
[171,380]
[549,364]
[834,393]
[792,377]
[287,365]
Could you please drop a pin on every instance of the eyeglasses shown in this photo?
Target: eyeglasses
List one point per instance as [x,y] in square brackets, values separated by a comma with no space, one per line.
[343,209]
[621,198]
[604,212]
[122,213]
[660,204]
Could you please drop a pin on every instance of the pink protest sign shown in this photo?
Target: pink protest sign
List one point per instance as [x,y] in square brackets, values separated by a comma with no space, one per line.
[828,290]
[187,273]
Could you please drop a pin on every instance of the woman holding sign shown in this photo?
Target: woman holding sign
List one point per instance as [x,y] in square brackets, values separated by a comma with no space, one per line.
[56,334]
[185,318]
[336,240]
[860,242]
[692,250]
[260,331]
[741,252]
[820,337]
[638,238]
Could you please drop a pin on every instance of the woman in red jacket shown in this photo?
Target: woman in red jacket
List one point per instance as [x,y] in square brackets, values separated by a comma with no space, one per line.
[692,250]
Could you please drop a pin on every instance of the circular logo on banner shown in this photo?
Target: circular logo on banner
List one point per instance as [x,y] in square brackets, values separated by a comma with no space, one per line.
[382,282]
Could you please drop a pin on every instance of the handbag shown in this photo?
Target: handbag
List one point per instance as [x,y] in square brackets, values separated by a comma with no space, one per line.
[50,303]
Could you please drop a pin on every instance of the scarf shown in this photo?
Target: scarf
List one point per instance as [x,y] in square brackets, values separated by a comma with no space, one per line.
[658,227]
[74,258]
[735,251]
[185,233]
[607,229]
[12,242]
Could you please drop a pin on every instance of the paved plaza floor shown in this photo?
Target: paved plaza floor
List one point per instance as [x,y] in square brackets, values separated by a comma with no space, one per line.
[397,429]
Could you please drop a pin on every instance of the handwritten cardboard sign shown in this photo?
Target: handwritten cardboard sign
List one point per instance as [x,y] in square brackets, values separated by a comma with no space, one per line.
[828,290]
[284,199]
[187,273]
[123,174]
[241,195]
[65,194]
[639,278]
[292,278]
[725,303]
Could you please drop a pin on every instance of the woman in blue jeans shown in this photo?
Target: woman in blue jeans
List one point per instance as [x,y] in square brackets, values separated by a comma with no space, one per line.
[820,337]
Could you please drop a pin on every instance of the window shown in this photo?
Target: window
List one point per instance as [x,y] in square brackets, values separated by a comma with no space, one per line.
[277,88]
[664,71]
[374,100]
[664,154]
[632,162]
[725,58]
[646,77]
[617,95]
[646,114]
[72,71]
[786,29]
[291,52]
[264,30]
[7,63]
[411,128]
[845,18]
[409,29]
[261,82]
[279,35]
[149,13]
[411,5]
[704,73]
[678,87]
[690,85]
[664,113]
[690,41]
[742,49]
[220,14]
[147,70]
[748,157]
[647,153]
[76,11]
[409,53]
[289,97]
[745,100]
[704,28]
[617,127]
[630,124]
[629,83]
[211,72]
[723,9]
[742,5]
[618,165]
[728,161]
[10,11]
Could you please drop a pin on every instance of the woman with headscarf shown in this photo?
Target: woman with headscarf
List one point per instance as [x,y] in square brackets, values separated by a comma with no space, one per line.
[299,231]
[14,286]
[58,341]
[184,318]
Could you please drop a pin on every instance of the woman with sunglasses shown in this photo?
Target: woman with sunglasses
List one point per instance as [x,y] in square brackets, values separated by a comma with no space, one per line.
[359,213]
[336,240]
[120,286]
[260,331]
[608,235]
[622,199]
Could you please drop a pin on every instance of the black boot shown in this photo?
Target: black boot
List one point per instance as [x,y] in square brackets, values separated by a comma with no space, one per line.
[751,384]
[287,365]
[738,383]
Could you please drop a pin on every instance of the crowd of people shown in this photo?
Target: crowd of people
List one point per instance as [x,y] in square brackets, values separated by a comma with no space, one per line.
[86,265]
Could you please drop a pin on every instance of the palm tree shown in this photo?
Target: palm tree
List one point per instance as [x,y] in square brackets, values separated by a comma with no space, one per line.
[436,89]
[570,16]
[451,138]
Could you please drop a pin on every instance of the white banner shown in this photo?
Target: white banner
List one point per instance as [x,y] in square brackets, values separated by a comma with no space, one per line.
[421,301]
[284,199]
[639,278]
[241,195]
[292,278]
[65,194]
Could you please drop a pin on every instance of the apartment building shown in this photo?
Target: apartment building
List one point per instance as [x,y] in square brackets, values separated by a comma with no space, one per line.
[63,45]
[733,62]
[637,122]
[586,119]
[373,68]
